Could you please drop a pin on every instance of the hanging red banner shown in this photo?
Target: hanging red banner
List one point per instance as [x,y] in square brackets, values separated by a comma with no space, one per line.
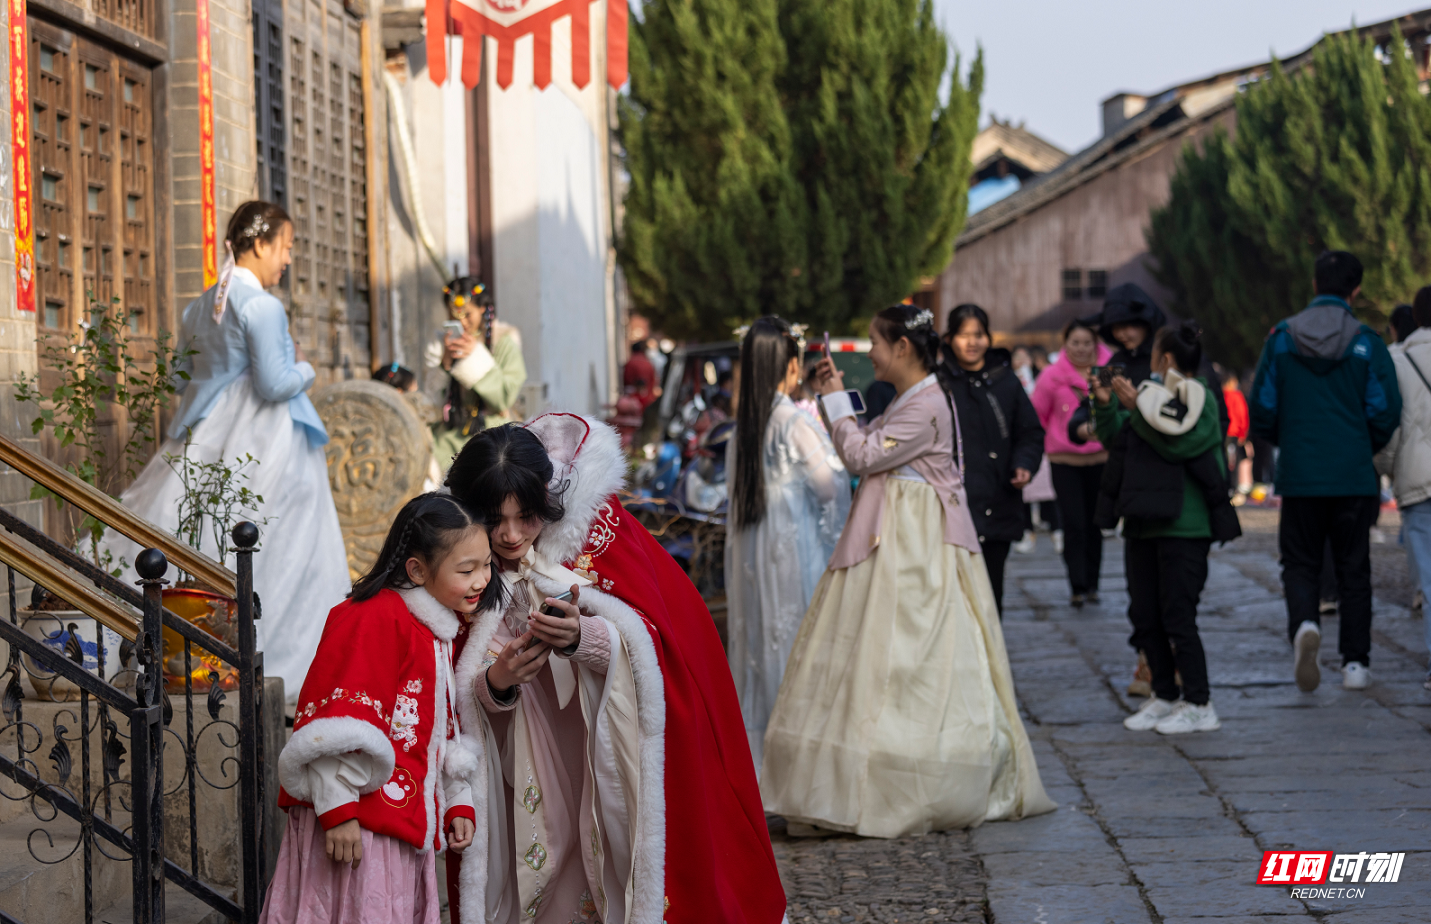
[20,156]
[206,149]
[508,20]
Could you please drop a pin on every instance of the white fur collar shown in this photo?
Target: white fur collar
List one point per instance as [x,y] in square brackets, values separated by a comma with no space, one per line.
[1174,405]
[425,608]
[590,467]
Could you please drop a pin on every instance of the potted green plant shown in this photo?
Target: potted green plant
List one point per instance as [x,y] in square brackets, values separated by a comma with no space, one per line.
[101,366]
[216,495]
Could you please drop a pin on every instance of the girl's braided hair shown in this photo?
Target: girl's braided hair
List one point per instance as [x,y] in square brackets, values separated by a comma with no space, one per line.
[427,528]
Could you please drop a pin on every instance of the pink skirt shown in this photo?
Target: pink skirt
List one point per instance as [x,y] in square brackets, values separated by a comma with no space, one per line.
[394,883]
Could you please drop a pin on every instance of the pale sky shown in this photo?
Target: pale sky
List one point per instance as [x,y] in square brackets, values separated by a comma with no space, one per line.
[1051,63]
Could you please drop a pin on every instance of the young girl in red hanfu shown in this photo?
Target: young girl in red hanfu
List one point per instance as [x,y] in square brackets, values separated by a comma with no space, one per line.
[376,778]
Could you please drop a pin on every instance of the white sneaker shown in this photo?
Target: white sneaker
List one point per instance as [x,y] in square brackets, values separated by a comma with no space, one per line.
[1189,718]
[1025,546]
[1356,676]
[1305,645]
[1058,541]
[1150,714]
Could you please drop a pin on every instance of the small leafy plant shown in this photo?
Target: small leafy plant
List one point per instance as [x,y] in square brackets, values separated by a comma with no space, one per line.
[102,365]
[214,492]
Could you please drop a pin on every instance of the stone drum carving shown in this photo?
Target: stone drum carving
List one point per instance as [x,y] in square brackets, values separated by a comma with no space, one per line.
[378,456]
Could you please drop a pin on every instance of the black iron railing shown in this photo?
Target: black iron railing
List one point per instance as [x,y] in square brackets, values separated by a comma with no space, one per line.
[123,727]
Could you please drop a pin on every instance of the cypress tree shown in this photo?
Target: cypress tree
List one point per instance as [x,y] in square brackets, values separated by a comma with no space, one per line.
[789,157]
[1336,156]
[884,164]
[1217,273]
[713,216]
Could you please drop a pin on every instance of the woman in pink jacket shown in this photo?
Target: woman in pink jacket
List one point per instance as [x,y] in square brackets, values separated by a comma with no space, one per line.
[897,715]
[1075,458]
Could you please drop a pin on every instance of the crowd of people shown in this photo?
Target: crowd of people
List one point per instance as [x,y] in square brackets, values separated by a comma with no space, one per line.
[526,682]
[1126,433]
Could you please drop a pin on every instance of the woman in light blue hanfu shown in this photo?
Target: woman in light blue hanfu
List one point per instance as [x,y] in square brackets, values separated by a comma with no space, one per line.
[246,394]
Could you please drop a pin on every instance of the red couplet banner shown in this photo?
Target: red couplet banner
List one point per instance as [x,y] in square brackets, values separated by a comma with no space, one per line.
[20,155]
[206,148]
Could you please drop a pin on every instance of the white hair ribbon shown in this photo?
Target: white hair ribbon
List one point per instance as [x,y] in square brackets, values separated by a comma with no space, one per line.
[226,276]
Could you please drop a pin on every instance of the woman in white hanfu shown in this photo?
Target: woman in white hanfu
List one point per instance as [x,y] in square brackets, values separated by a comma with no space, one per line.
[790,495]
[246,394]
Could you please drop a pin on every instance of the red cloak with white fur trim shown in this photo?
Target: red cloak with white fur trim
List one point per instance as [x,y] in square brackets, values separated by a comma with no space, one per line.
[379,685]
[703,850]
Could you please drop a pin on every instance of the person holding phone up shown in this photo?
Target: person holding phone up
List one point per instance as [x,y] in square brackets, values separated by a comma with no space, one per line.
[1166,478]
[483,360]
[897,713]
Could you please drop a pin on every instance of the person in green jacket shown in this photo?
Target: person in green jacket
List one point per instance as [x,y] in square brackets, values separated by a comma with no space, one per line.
[484,364]
[1165,470]
[1326,394]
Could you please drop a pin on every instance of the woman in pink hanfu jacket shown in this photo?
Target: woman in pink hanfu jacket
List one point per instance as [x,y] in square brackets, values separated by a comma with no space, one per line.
[897,712]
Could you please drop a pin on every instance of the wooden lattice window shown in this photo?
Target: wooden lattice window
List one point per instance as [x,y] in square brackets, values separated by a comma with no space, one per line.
[94,157]
[269,131]
[134,15]
[327,161]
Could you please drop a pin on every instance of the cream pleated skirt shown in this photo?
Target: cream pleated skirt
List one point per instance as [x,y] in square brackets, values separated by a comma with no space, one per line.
[897,715]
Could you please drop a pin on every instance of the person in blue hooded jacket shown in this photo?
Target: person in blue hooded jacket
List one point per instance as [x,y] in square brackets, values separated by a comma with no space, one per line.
[1326,395]
[244,392]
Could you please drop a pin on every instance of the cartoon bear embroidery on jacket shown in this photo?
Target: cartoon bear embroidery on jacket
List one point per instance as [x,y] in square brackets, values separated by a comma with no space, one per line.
[404,721]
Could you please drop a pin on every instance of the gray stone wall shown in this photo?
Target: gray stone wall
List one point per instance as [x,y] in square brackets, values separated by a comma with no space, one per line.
[235,157]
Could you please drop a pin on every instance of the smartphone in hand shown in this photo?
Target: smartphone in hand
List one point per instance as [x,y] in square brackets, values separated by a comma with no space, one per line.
[547,609]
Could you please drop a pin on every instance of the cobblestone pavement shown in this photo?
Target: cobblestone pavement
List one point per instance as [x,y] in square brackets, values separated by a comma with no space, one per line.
[1157,829]
[931,878]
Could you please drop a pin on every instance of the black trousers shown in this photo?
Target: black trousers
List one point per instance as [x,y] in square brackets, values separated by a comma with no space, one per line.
[1077,488]
[1048,510]
[995,555]
[1307,523]
[1329,573]
[1165,580]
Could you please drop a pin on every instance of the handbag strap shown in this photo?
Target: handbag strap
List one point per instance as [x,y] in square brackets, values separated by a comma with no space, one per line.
[1419,374]
[958,431]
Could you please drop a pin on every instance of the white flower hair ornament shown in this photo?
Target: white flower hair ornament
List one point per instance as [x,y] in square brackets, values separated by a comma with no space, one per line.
[256,229]
[922,318]
[741,331]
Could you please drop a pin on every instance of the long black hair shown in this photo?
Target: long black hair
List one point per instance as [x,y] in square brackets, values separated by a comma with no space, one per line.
[506,461]
[427,527]
[765,354]
[1183,343]
[961,313]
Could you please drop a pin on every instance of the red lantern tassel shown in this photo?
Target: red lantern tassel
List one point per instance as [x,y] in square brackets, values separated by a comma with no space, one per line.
[472,42]
[616,43]
[437,40]
[542,53]
[505,53]
[581,43]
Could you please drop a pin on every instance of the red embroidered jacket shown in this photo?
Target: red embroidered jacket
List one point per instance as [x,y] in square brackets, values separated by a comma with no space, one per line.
[381,686]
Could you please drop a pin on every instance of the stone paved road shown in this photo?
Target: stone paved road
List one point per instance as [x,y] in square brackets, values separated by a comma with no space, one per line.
[1165,830]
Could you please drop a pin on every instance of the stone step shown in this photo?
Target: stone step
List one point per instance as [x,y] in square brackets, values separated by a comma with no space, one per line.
[39,892]
[179,908]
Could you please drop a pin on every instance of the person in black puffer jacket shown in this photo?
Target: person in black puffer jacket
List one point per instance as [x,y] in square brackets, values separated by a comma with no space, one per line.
[1003,440]
[1127,323]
